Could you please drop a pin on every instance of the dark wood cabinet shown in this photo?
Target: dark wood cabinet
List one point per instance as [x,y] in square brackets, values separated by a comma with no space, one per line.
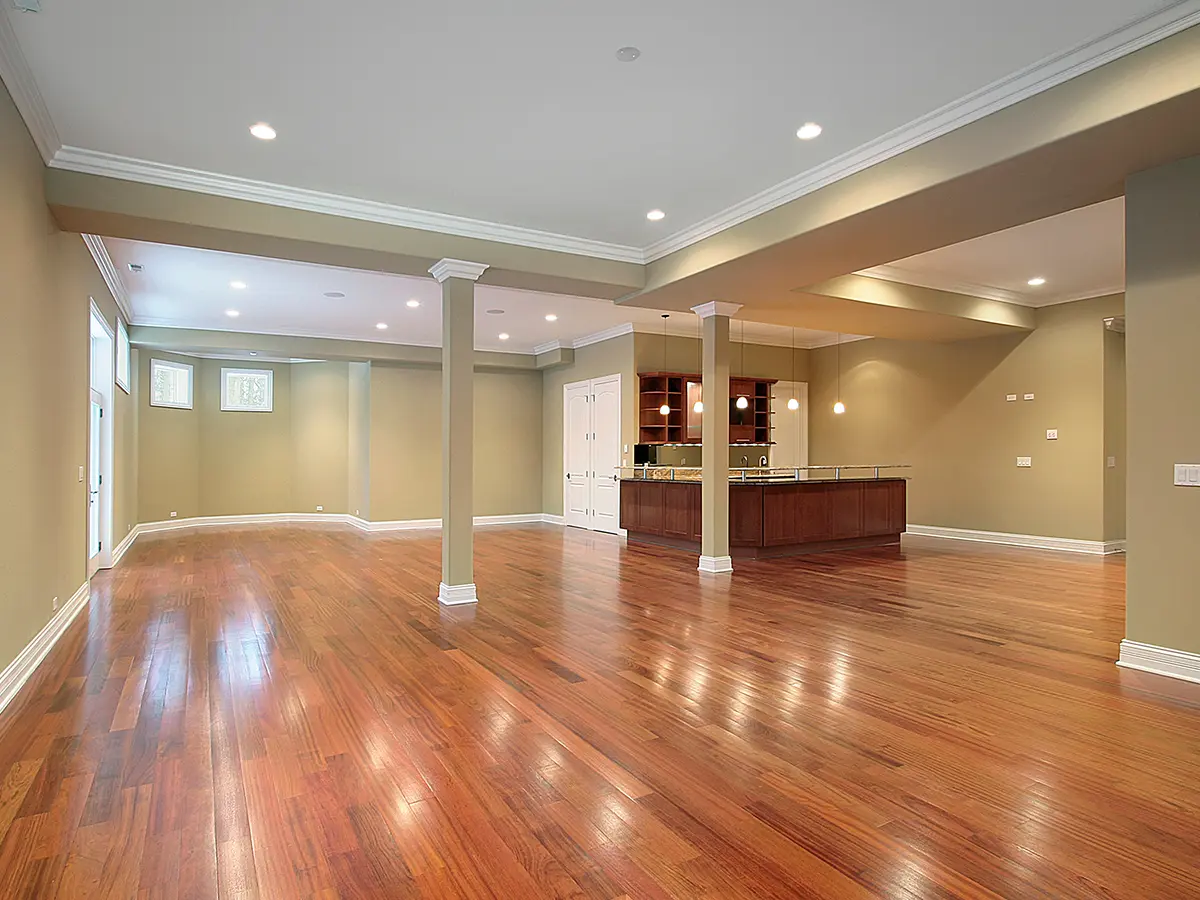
[750,424]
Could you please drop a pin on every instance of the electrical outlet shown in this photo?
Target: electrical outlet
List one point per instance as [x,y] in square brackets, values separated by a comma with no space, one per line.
[1029,396]
[356,512]
[320,509]
[1025,462]
[1052,434]
[173,514]
[1010,398]
[1112,462]
[54,604]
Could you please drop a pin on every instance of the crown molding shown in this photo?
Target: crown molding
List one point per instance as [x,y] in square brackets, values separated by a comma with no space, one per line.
[18,78]
[457,268]
[92,162]
[108,271]
[1041,76]
[605,335]
[899,275]
[717,308]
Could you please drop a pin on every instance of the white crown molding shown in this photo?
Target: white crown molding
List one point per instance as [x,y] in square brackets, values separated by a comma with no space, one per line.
[108,271]
[717,308]
[599,336]
[457,268]
[1029,541]
[715,565]
[92,162]
[1041,76]
[457,594]
[837,339]
[21,669]
[18,77]
[1160,661]
[900,275]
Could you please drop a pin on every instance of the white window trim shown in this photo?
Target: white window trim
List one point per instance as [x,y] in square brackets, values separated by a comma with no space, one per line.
[226,406]
[168,364]
[122,352]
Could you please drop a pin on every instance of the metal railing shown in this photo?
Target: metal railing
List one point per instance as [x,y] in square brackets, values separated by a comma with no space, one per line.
[648,472]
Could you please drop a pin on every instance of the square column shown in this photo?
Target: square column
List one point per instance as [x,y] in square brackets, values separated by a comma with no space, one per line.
[714,433]
[458,278]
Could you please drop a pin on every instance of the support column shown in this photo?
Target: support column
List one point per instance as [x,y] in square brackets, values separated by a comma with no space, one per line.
[457,278]
[714,490]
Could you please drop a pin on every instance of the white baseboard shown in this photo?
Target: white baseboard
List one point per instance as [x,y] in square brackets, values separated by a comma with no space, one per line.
[423,524]
[1160,661]
[1033,542]
[457,594]
[551,519]
[716,565]
[126,543]
[13,678]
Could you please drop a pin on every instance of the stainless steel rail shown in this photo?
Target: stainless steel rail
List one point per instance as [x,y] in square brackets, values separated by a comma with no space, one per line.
[756,473]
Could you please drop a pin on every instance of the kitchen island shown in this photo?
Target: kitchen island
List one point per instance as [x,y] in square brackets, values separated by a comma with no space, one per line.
[770,514]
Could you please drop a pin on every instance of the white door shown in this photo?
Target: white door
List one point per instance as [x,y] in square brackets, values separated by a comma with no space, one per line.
[95,483]
[789,427]
[577,453]
[606,454]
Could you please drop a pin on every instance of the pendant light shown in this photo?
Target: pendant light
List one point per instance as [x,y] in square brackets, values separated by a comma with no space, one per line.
[742,402]
[839,407]
[665,409]
[793,403]
[698,406]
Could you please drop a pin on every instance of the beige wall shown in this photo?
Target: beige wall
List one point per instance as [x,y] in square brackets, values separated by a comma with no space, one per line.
[168,449]
[405,446]
[942,408]
[1114,436]
[611,357]
[358,460]
[46,277]
[320,429]
[749,360]
[1162,234]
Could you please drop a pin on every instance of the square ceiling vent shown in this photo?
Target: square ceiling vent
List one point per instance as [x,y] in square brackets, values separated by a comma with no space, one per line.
[28,5]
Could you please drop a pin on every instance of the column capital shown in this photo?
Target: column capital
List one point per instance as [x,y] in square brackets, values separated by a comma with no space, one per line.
[717,308]
[457,268]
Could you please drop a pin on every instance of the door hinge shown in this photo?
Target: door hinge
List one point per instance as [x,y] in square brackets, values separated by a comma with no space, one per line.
[102,412]
[100,480]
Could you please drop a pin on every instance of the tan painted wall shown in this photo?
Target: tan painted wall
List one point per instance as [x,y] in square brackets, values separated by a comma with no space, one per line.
[125,450]
[942,408]
[611,357]
[749,360]
[405,446]
[168,449]
[320,429]
[1114,436]
[359,449]
[1162,233]
[46,277]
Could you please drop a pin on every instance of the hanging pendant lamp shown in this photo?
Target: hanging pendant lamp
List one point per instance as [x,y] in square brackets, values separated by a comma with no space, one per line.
[665,409]
[742,402]
[793,403]
[839,407]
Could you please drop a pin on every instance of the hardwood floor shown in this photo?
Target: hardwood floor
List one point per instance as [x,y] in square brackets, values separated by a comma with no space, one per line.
[286,712]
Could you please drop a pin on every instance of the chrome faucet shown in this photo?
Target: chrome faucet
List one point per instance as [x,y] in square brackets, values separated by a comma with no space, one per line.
[745,462]
[762,462]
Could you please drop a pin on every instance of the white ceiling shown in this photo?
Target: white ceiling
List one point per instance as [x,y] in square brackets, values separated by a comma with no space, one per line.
[1080,254]
[183,287]
[518,113]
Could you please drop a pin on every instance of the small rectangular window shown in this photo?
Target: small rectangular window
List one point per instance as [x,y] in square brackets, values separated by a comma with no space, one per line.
[122,356]
[247,390]
[170,384]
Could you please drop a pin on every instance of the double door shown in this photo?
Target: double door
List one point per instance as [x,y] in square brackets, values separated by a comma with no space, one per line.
[592,453]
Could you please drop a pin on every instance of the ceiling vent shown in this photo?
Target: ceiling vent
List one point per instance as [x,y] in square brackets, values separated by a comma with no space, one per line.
[28,5]
[135,267]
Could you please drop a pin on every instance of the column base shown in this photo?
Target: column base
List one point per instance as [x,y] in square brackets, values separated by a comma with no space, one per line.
[456,594]
[716,565]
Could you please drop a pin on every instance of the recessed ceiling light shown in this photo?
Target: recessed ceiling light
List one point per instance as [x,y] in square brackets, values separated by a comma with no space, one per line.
[656,215]
[495,312]
[808,131]
[254,353]
[238,285]
[334,295]
[551,317]
[232,313]
[262,131]
[1036,282]
[382,326]
[135,267]
[413,304]
[504,336]
[628,54]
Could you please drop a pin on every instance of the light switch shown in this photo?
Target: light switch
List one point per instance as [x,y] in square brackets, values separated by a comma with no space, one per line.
[1011,398]
[81,473]
[1112,462]
[1025,462]
[1029,396]
[1052,434]
[1187,475]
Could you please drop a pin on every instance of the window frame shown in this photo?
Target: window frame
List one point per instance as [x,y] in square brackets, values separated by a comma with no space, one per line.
[177,366]
[123,356]
[226,406]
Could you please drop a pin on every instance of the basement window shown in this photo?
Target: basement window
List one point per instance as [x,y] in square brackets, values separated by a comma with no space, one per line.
[247,390]
[170,384]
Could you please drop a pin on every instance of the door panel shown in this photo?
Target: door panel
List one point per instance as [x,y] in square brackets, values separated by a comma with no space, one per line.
[606,453]
[577,454]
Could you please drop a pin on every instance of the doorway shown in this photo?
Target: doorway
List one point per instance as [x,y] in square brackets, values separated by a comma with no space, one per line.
[100,443]
[592,454]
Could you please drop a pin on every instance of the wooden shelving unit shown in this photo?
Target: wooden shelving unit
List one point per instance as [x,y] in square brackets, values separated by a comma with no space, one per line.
[746,426]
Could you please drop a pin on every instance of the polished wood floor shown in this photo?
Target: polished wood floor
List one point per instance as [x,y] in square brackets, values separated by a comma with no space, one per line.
[286,713]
